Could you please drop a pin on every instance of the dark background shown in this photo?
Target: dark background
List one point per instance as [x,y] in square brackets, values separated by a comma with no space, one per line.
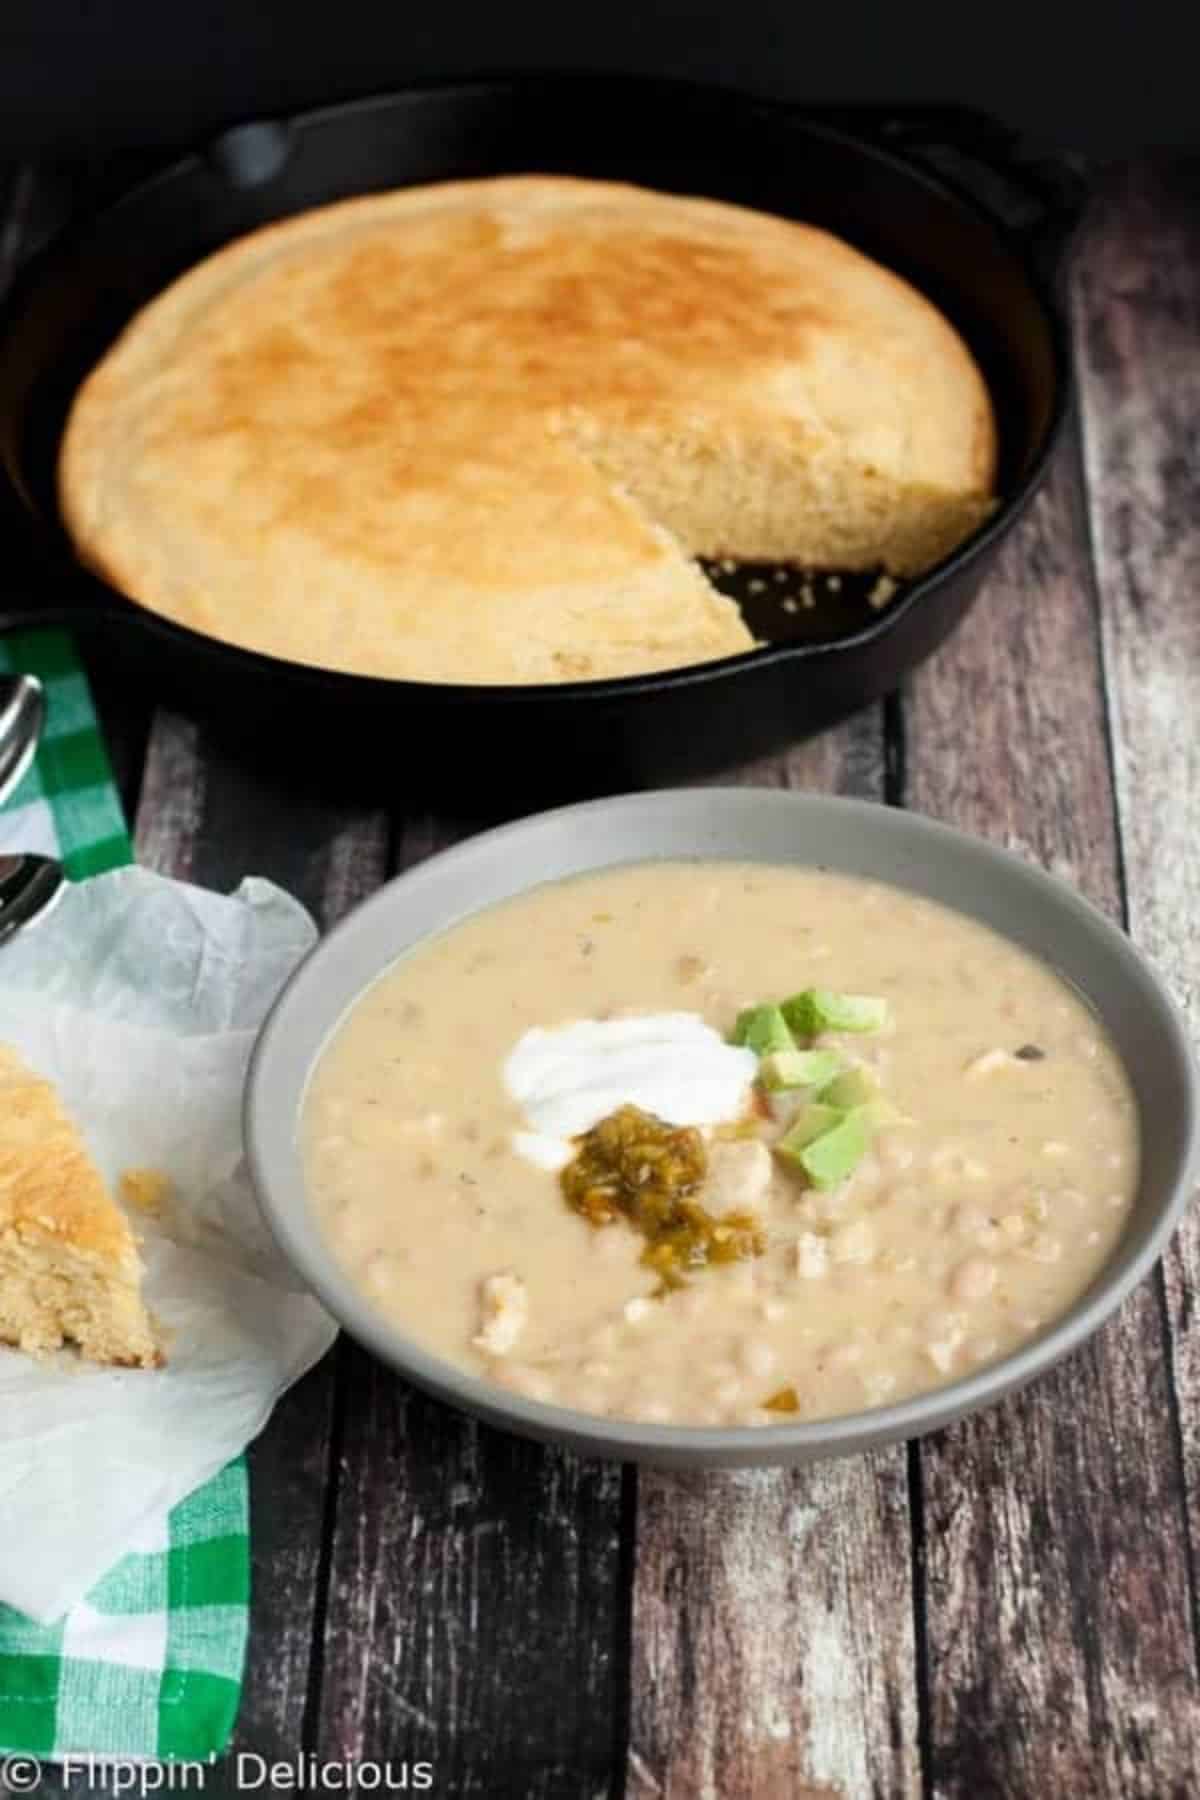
[76,75]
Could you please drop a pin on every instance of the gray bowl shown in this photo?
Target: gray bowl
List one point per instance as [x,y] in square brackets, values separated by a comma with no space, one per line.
[912,852]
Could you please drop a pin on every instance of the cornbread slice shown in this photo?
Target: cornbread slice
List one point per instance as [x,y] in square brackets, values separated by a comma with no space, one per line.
[69,1269]
[480,431]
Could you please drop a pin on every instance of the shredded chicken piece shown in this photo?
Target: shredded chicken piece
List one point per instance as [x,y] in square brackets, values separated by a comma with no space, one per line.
[739,1175]
[504,1309]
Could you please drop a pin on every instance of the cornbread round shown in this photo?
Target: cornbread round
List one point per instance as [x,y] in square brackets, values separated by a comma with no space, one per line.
[477,432]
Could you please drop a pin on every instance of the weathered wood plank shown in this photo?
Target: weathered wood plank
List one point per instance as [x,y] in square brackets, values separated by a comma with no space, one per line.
[472,1617]
[773,1649]
[171,802]
[474,1614]
[205,817]
[773,1637]
[1136,306]
[1058,1630]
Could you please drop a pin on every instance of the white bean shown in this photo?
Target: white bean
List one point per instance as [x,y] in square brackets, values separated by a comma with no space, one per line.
[894,1152]
[854,1243]
[867,1173]
[378,1272]
[503,1311]
[530,1382]
[972,1279]
[757,1358]
[812,1256]
[651,1412]
[989,1062]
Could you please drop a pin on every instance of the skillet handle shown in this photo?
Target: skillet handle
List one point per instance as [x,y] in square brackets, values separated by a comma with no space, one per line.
[1041,197]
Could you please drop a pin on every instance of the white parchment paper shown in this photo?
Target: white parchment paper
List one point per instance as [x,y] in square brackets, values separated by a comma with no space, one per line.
[140,998]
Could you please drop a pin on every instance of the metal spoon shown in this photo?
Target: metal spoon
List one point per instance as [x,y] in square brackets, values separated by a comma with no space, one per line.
[29,885]
[22,716]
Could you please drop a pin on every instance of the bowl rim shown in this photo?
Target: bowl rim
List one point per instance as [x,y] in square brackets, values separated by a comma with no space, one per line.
[600,1434]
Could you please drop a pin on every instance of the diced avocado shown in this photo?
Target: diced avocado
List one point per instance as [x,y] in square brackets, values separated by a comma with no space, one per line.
[858,1088]
[813,1122]
[799,1068]
[882,1112]
[853,1087]
[830,1158]
[763,1029]
[821,1009]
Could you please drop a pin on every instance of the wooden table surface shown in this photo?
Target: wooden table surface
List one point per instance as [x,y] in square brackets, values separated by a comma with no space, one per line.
[1008,1608]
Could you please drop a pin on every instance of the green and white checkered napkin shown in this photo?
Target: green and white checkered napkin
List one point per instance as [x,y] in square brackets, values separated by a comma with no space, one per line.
[150,1663]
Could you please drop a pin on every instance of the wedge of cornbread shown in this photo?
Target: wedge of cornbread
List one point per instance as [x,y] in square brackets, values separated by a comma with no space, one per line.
[69,1268]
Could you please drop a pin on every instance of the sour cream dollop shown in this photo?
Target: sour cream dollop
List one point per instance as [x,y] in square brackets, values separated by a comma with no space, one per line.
[569,1077]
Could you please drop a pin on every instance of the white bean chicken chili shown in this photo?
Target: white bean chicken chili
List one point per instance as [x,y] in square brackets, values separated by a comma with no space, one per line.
[996,1173]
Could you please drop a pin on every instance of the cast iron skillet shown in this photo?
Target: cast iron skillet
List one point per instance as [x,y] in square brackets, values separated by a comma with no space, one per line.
[824,660]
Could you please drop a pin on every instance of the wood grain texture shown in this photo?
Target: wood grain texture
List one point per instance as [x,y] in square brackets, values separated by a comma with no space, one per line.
[772,1646]
[171,802]
[1058,1624]
[330,857]
[427,1587]
[1136,312]
[207,818]
[773,1635]
[1136,306]
[474,1614]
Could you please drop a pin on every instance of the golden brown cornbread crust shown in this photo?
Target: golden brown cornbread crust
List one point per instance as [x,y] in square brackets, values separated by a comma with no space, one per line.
[476,431]
[69,1268]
